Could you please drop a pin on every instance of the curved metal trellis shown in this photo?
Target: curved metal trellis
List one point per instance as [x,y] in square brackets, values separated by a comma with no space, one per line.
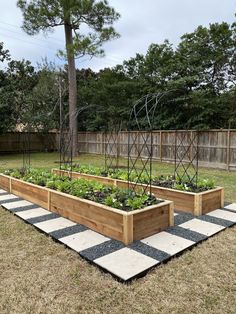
[111,147]
[65,140]
[65,149]
[66,136]
[186,156]
[25,137]
[140,144]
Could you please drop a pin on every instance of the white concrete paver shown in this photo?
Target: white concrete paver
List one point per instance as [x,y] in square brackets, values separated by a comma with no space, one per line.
[17,204]
[203,227]
[231,207]
[32,213]
[167,242]
[54,224]
[7,197]
[84,240]
[223,214]
[126,263]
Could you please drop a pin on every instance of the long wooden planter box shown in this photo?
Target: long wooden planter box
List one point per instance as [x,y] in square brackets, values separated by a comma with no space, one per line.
[117,224]
[194,203]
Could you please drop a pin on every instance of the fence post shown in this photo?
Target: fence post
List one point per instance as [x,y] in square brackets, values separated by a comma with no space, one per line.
[138,144]
[191,146]
[100,143]
[160,146]
[86,142]
[117,149]
[228,150]
[103,145]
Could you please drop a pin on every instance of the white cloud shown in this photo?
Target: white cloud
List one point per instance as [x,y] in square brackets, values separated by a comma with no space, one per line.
[142,23]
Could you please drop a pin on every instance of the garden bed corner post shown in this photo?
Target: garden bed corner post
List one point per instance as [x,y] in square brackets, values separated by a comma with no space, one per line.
[197,205]
[171,215]
[128,230]
[222,198]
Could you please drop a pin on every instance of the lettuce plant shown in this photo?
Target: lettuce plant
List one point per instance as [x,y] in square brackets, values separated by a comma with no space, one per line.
[88,189]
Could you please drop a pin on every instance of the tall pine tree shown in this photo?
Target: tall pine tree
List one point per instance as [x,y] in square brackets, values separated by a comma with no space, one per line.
[98,16]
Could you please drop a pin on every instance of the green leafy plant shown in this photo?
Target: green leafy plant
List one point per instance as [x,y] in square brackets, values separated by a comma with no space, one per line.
[168,181]
[88,189]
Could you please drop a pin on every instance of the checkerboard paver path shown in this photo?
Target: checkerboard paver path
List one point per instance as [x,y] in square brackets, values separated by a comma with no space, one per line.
[123,262]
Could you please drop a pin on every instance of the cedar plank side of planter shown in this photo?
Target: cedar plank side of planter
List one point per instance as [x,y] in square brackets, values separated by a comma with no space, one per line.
[117,224]
[5,183]
[155,225]
[31,192]
[195,203]
[88,213]
[213,200]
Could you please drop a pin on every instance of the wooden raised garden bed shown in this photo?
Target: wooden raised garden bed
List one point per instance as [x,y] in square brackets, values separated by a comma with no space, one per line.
[195,203]
[117,224]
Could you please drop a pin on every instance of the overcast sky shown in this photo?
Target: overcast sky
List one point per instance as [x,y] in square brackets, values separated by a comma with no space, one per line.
[142,22]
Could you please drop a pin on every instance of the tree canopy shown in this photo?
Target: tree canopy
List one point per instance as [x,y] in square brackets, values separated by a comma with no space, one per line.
[199,74]
[98,16]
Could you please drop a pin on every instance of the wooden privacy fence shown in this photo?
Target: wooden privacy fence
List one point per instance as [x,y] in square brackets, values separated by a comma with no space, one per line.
[14,142]
[217,148]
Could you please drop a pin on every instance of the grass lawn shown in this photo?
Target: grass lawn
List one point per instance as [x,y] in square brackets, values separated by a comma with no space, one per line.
[38,275]
[49,160]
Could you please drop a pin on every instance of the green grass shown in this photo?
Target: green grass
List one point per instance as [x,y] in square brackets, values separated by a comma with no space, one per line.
[51,160]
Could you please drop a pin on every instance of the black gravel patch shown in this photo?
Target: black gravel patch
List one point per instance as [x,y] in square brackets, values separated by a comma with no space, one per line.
[182,217]
[227,203]
[102,249]
[215,220]
[67,231]
[149,251]
[186,234]
[11,200]
[42,218]
[23,208]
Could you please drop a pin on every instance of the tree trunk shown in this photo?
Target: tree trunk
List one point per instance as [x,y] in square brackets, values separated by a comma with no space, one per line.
[73,124]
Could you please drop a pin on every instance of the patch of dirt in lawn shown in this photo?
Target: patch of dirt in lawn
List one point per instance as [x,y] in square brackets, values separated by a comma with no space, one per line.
[38,275]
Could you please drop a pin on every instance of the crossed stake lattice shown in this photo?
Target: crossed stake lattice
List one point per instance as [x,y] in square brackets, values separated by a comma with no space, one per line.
[144,164]
[186,156]
[111,146]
